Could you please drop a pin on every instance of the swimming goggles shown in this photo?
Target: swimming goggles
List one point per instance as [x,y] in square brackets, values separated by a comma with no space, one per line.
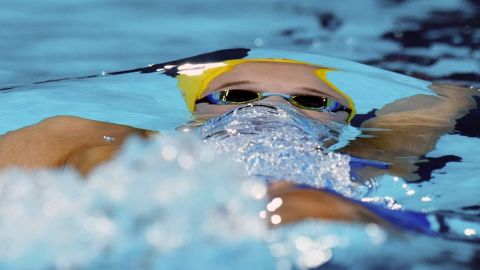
[307,102]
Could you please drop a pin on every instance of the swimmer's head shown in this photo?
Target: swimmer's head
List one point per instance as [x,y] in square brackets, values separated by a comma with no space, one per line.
[313,94]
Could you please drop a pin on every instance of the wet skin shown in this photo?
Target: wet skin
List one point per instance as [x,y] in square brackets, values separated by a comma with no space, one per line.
[80,143]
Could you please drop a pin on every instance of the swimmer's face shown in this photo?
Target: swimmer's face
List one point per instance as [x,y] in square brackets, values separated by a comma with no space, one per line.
[283,78]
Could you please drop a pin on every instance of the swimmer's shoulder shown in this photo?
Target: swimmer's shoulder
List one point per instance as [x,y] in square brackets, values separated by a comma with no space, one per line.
[65,140]
[73,126]
[93,142]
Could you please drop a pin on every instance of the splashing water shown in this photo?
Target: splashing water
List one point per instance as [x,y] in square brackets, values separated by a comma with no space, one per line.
[275,142]
[144,210]
[172,203]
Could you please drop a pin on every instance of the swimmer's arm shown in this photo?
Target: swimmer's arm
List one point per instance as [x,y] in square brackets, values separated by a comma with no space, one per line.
[64,140]
[409,128]
[302,203]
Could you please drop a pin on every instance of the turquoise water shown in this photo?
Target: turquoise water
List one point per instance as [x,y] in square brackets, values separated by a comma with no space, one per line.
[51,219]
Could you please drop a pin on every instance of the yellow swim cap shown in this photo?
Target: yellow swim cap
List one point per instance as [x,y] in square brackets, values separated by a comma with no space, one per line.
[193,79]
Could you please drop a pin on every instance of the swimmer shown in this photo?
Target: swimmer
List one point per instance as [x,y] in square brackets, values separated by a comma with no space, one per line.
[84,144]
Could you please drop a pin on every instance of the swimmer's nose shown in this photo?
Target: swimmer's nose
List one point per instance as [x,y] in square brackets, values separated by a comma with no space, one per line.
[278,100]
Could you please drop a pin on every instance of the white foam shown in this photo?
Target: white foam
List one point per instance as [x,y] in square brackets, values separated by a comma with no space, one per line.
[147,205]
[275,142]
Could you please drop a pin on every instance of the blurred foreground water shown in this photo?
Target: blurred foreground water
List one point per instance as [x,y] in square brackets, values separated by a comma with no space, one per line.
[126,215]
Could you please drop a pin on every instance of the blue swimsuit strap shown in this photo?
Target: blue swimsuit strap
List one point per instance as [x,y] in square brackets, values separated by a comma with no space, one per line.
[402,219]
[358,163]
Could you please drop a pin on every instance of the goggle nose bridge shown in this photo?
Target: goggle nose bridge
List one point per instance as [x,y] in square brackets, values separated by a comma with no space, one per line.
[285,96]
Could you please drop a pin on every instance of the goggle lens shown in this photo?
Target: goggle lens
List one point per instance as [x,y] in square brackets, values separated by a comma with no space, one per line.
[236,96]
[239,96]
[311,101]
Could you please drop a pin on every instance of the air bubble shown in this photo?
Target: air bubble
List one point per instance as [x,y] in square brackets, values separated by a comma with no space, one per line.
[275,219]
[303,243]
[169,152]
[186,162]
[426,198]
[275,142]
[470,232]
[258,42]
[274,204]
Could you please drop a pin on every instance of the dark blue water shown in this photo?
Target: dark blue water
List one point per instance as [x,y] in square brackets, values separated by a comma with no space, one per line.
[432,40]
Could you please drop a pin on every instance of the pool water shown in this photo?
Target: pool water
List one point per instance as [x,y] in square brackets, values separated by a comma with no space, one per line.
[128,215]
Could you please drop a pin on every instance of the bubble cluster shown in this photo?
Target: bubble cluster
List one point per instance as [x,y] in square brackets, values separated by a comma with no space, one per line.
[275,142]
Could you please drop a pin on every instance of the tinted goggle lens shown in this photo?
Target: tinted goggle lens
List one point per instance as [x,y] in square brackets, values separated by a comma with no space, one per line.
[311,101]
[238,96]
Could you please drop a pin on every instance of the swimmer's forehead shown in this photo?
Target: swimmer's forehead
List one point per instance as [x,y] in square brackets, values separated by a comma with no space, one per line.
[288,78]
